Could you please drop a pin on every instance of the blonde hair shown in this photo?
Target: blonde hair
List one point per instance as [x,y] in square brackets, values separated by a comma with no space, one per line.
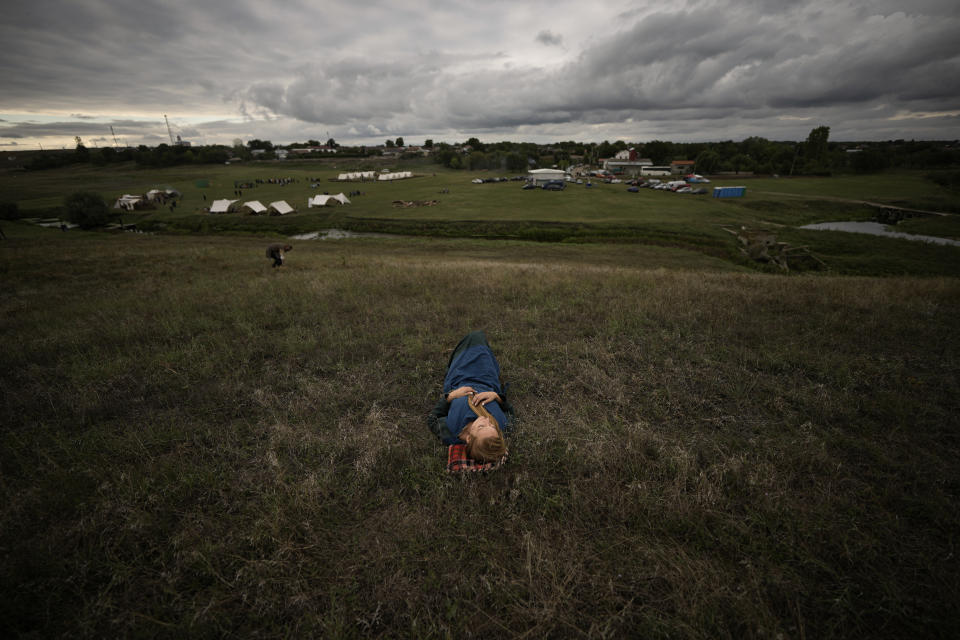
[487,449]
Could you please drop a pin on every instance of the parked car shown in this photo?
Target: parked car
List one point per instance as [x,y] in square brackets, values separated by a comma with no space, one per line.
[528,186]
[554,185]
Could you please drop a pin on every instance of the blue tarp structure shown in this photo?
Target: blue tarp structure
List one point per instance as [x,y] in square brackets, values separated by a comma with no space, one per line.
[729,192]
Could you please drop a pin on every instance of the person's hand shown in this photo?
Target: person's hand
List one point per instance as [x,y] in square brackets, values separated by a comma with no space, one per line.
[459,393]
[484,397]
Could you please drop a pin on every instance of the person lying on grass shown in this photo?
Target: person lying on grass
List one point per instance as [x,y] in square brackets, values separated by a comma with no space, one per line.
[474,409]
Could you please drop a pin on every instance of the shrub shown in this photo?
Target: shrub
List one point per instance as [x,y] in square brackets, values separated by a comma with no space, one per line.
[86,209]
[9,211]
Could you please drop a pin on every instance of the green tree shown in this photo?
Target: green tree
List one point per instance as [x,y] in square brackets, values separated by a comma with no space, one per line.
[260,144]
[399,142]
[658,151]
[82,154]
[389,144]
[475,144]
[868,161]
[708,161]
[742,162]
[332,143]
[515,162]
[86,209]
[428,143]
[477,160]
[815,151]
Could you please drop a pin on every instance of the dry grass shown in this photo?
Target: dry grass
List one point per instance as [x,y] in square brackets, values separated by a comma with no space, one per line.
[194,444]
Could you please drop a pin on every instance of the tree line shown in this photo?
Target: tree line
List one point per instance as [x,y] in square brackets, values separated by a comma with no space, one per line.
[816,155]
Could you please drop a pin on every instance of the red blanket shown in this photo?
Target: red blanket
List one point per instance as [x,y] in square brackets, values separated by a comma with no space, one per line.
[457,460]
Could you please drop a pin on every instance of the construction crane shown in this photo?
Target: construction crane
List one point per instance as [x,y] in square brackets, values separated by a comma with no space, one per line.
[116,145]
[169,132]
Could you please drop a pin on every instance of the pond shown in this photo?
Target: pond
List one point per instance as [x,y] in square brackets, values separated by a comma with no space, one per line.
[337,234]
[877,229]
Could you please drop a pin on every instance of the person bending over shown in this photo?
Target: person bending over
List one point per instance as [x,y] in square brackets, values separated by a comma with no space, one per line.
[473,409]
[276,253]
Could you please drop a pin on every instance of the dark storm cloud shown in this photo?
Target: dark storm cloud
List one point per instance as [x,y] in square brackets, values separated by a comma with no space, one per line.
[74,128]
[710,59]
[549,39]
[713,68]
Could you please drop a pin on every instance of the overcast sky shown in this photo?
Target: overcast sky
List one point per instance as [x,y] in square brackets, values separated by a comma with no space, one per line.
[364,71]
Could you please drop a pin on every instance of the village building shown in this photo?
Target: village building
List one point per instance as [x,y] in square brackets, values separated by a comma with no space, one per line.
[626,163]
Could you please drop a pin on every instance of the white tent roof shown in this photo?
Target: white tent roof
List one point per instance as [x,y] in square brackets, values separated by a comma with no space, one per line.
[221,206]
[325,200]
[127,201]
[256,206]
[546,171]
[281,207]
[319,201]
[398,175]
[356,175]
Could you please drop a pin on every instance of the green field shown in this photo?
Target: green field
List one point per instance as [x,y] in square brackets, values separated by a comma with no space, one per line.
[604,212]
[194,444]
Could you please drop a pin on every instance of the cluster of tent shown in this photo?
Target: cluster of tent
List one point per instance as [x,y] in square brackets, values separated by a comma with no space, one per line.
[325,200]
[254,207]
[358,175]
[372,175]
[397,175]
[129,202]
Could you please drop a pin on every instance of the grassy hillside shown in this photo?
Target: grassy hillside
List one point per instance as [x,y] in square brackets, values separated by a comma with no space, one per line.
[197,445]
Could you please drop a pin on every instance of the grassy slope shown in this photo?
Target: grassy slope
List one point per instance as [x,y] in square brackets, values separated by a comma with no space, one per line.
[196,445]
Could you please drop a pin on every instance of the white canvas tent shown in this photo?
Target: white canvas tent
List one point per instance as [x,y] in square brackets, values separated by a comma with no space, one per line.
[254,207]
[162,194]
[325,200]
[280,208]
[358,175]
[222,206]
[128,202]
[540,176]
[397,175]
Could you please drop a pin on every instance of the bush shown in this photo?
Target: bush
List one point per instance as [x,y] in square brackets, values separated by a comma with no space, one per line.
[9,211]
[86,209]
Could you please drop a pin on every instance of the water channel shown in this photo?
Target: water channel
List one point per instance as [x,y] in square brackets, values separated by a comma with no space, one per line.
[877,229]
[337,234]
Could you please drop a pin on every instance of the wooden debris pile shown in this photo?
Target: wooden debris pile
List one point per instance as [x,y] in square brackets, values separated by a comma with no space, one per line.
[762,246]
[406,204]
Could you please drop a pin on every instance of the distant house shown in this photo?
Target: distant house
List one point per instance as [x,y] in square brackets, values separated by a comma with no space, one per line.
[627,163]
[308,150]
